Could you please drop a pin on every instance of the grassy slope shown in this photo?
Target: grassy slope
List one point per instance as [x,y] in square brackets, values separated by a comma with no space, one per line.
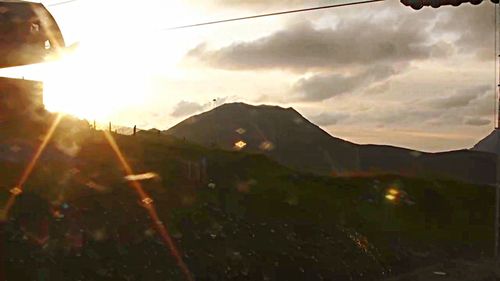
[261,220]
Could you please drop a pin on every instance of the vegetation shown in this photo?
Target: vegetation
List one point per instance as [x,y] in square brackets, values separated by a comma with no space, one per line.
[247,219]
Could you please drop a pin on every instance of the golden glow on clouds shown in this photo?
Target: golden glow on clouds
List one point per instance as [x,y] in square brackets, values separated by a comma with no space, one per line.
[111,72]
[123,49]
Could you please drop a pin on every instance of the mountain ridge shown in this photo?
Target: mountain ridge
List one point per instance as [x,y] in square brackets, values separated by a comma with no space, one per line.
[289,138]
[490,144]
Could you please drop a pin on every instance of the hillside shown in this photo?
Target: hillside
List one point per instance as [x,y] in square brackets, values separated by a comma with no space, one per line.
[292,140]
[233,215]
[283,134]
[490,143]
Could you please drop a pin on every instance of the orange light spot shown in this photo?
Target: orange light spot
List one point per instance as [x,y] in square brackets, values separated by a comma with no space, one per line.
[267,146]
[141,177]
[16,191]
[147,201]
[393,191]
[240,145]
[390,197]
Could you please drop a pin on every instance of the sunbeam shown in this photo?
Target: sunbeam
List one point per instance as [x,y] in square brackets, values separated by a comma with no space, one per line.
[148,205]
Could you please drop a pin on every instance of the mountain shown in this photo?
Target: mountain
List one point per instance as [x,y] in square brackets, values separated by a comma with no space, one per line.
[242,216]
[490,144]
[286,136]
[281,133]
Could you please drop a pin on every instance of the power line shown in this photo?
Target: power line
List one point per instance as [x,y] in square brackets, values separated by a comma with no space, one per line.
[247,17]
[61,3]
[273,14]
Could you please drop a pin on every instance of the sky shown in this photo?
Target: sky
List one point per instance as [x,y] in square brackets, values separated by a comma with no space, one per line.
[375,73]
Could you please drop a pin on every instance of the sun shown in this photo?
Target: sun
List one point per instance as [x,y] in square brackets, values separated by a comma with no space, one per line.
[119,58]
[94,83]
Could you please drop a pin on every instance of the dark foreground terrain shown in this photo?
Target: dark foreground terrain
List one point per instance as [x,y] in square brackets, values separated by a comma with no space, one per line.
[233,215]
[455,270]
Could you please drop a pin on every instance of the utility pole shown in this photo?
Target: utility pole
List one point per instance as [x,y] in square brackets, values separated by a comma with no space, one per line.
[497,111]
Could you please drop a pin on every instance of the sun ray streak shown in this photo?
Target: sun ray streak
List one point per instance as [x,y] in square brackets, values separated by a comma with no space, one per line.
[148,205]
[16,191]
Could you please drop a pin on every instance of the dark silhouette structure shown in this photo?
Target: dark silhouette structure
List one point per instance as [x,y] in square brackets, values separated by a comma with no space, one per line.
[28,33]
[419,4]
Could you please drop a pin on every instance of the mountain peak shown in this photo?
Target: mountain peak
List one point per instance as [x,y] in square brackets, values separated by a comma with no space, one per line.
[256,108]
[271,130]
[490,143]
[230,117]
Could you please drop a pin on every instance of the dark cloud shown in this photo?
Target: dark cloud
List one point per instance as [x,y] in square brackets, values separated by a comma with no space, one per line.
[362,53]
[405,36]
[476,121]
[302,47]
[474,26]
[406,114]
[185,108]
[473,106]
[475,102]
[327,119]
[460,98]
[377,47]
[324,86]
[484,105]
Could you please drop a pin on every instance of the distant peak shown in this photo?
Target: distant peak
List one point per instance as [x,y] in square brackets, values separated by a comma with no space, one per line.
[242,105]
[490,143]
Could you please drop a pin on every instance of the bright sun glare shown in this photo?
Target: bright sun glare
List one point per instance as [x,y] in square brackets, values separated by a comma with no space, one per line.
[110,71]
[94,83]
[118,57]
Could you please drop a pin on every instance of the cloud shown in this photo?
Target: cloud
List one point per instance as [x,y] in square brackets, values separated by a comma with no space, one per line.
[484,105]
[404,36]
[472,106]
[403,114]
[379,88]
[466,109]
[461,98]
[303,47]
[324,86]
[184,108]
[474,27]
[327,119]
[476,121]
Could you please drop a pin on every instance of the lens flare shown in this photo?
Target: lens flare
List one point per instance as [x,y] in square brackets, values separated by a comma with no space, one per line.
[149,206]
[16,191]
[390,197]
